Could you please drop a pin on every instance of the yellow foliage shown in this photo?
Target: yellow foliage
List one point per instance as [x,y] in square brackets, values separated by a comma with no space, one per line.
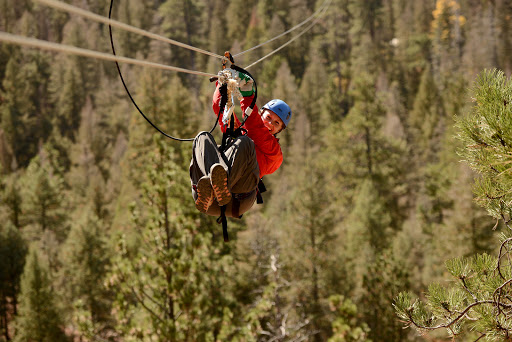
[446,15]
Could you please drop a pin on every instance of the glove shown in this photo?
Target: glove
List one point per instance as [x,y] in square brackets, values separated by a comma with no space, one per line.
[246,85]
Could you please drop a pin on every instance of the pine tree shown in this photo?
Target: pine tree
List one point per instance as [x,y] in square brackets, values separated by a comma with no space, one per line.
[85,258]
[13,250]
[427,119]
[68,93]
[345,325]
[183,22]
[479,285]
[237,29]
[38,318]
[384,277]
[24,105]
[11,198]
[447,37]
[271,316]
[312,90]
[43,206]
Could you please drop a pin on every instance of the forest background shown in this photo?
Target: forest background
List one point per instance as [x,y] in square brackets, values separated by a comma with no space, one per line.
[99,236]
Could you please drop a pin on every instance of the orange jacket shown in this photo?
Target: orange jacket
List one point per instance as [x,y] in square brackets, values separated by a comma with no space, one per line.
[268,150]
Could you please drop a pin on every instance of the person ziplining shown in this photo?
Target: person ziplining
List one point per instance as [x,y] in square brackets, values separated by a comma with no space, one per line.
[225,178]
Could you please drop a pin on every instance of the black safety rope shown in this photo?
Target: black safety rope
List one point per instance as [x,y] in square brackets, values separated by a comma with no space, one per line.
[131,97]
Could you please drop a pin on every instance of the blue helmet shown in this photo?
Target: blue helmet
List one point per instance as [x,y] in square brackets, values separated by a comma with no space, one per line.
[281,109]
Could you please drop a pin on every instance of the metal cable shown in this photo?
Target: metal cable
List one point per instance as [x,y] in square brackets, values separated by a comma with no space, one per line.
[291,40]
[95,17]
[45,45]
[286,32]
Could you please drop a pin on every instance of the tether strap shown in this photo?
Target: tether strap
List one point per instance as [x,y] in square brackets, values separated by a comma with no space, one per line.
[235,207]
[224,222]
[261,189]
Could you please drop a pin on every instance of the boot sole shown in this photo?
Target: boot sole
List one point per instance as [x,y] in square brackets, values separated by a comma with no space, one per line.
[204,195]
[219,178]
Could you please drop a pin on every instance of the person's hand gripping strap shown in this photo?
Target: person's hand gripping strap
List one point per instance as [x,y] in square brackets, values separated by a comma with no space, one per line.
[246,85]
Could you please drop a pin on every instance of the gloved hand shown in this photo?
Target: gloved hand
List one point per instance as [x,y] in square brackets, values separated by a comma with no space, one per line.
[246,85]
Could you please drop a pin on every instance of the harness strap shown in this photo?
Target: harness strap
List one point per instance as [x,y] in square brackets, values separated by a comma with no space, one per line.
[261,189]
[235,207]
[222,219]
[229,136]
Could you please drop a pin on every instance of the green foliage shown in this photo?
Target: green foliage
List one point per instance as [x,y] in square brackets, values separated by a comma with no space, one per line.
[476,301]
[85,258]
[383,278]
[13,250]
[43,206]
[23,106]
[370,199]
[38,318]
[12,199]
[345,324]
[485,133]
[471,304]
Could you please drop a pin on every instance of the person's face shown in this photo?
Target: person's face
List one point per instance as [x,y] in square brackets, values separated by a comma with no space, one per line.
[272,121]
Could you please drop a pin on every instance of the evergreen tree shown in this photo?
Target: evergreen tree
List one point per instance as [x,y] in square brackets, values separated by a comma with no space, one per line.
[384,277]
[480,282]
[44,207]
[12,200]
[427,119]
[312,90]
[183,21]
[345,324]
[24,105]
[68,93]
[38,318]
[85,258]
[237,29]
[13,250]
[271,317]
[447,37]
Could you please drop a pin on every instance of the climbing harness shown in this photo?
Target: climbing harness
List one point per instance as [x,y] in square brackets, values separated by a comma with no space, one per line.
[230,81]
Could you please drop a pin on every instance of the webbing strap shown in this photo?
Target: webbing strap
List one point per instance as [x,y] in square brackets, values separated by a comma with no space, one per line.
[261,189]
[224,222]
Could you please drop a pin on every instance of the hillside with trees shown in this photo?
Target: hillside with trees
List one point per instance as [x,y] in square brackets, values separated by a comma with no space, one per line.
[99,236]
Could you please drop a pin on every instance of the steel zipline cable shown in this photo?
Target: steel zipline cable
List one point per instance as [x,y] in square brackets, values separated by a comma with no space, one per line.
[73,50]
[98,18]
[59,5]
[324,10]
[318,12]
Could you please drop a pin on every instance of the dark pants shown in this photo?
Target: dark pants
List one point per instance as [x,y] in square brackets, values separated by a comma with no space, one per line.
[239,160]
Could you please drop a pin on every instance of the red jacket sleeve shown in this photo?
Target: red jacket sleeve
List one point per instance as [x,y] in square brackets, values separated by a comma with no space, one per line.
[268,150]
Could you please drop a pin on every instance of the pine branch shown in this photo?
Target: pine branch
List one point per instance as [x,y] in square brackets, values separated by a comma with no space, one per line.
[458,318]
[501,255]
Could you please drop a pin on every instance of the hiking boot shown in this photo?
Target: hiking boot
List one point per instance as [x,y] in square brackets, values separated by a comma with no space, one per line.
[204,194]
[219,178]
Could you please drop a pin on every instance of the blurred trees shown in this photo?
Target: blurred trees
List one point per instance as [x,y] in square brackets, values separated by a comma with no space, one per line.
[39,318]
[370,200]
